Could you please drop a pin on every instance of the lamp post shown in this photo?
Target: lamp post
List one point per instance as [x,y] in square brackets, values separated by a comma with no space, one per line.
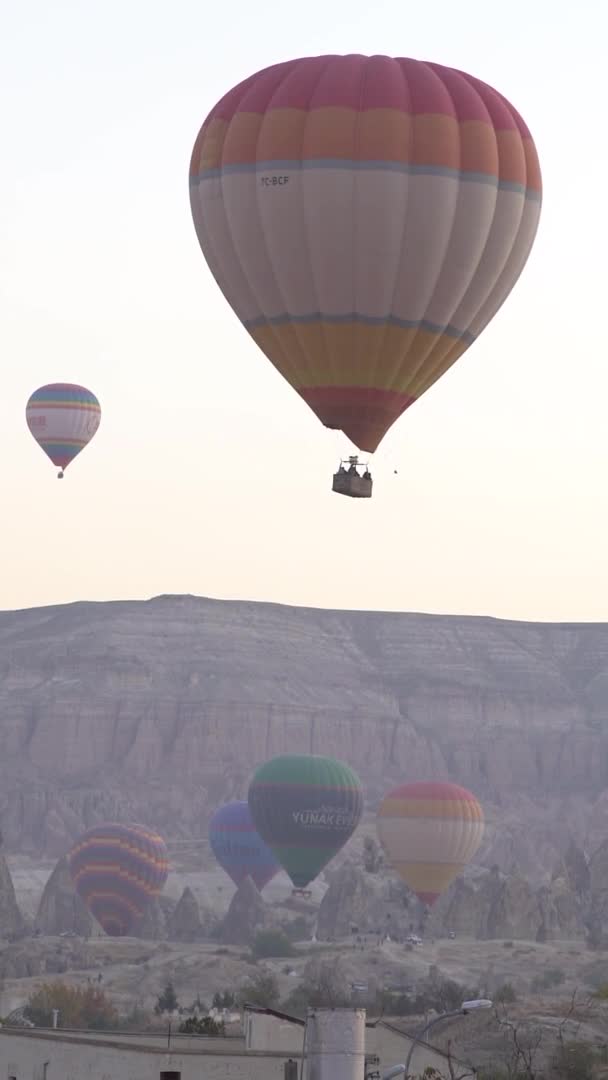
[464,1010]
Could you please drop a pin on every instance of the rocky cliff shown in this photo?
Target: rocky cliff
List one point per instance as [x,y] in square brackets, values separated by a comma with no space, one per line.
[61,910]
[157,710]
[12,923]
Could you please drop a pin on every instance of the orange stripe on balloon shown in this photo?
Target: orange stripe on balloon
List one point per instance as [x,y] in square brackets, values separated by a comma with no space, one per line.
[466,810]
[385,135]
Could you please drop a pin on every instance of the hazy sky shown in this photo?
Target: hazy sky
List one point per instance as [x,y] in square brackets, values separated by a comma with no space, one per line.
[208,474]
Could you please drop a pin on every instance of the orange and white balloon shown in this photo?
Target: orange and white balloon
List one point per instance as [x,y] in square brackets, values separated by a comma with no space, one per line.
[365,217]
[429,831]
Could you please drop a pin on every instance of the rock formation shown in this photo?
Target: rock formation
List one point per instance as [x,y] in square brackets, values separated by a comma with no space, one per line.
[185,923]
[157,710]
[61,908]
[12,923]
[154,923]
[482,903]
[246,915]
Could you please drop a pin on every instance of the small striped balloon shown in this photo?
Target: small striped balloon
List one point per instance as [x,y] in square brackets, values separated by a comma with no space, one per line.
[117,870]
[63,418]
[429,831]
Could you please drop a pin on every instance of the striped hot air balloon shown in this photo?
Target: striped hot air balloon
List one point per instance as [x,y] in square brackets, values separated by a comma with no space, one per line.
[117,870]
[429,831]
[305,807]
[238,847]
[365,217]
[63,418]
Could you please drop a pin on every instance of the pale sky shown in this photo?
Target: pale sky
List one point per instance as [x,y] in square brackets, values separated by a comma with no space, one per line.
[208,474]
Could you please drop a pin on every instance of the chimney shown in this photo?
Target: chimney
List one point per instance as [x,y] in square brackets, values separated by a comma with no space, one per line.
[335,1044]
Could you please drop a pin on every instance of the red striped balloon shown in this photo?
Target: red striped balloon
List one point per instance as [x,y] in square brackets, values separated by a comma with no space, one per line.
[117,870]
[365,217]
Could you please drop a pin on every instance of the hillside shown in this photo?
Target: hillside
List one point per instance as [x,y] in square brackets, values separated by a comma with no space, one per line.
[158,710]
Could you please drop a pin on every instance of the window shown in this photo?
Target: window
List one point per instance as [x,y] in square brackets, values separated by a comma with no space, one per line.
[170,1076]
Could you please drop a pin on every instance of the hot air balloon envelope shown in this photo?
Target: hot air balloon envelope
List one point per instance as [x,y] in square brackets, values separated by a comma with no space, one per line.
[306,808]
[117,870]
[238,847]
[63,418]
[365,217]
[429,831]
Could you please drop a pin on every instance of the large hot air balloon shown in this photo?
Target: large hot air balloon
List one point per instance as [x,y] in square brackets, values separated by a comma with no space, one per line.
[63,418]
[237,846]
[117,870]
[429,831]
[305,807]
[365,217]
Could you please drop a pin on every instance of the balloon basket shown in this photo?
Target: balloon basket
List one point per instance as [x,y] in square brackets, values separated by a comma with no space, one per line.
[351,482]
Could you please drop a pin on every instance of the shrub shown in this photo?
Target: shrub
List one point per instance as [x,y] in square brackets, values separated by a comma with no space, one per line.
[269,943]
[505,995]
[297,929]
[202,1025]
[547,979]
[79,1007]
[260,989]
[574,1061]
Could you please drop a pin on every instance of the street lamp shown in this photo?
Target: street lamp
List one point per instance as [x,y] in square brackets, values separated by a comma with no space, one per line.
[464,1010]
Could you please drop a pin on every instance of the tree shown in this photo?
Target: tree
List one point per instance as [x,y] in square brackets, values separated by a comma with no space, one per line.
[324,985]
[574,1061]
[272,943]
[505,994]
[223,999]
[202,1025]
[261,989]
[167,1001]
[79,1007]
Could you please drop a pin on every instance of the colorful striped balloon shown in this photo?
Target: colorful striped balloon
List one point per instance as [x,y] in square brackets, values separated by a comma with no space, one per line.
[63,418]
[429,831]
[365,217]
[306,808]
[238,847]
[117,870]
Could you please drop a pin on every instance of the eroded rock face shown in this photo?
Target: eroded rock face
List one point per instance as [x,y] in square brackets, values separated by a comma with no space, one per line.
[155,921]
[483,904]
[598,874]
[357,899]
[159,710]
[246,915]
[61,908]
[12,923]
[185,923]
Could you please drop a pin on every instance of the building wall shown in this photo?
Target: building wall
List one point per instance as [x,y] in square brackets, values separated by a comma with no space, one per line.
[263,1032]
[23,1057]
